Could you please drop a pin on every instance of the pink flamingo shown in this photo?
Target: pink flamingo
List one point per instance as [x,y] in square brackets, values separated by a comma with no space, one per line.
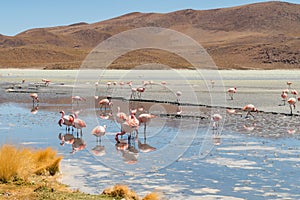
[108,84]
[140,90]
[35,98]
[78,124]
[77,99]
[231,91]
[121,117]
[249,108]
[99,131]
[46,81]
[105,102]
[292,102]
[289,84]
[284,97]
[66,120]
[294,92]
[216,118]
[145,119]
[131,124]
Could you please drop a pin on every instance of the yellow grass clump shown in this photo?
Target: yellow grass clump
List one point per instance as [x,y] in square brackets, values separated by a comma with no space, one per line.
[121,191]
[152,196]
[20,163]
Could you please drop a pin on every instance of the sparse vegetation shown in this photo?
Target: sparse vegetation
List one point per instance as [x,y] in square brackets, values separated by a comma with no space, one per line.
[120,192]
[31,174]
[20,163]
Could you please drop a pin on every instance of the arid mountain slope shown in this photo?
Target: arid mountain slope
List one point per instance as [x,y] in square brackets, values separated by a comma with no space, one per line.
[255,36]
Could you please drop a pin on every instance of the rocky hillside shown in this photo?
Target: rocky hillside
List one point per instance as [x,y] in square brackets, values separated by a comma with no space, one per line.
[255,36]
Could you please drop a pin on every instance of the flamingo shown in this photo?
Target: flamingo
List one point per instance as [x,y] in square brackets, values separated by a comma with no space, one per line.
[249,108]
[77,99]
[65,120]
[105,102]
[46,81]
[108,84]
[133,90]
[289,84]
[121,117]
[178,94]
[131,124]
[294,92]
[78,124]
[292,102]
[284,97]
[140,90]
[231,91]
[212,83]
[145,119]
[216,118]
[35,98]
[99,131]
[121,83]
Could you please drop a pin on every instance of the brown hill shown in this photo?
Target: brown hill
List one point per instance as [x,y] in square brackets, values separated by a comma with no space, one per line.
[255,36]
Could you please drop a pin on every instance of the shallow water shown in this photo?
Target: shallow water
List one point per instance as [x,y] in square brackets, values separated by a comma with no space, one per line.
[241,162]
[246,158]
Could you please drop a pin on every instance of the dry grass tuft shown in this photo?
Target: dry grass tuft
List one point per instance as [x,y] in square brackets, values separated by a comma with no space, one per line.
[46,162]
[20,163]
[121,191]
[16,163]
[151,196]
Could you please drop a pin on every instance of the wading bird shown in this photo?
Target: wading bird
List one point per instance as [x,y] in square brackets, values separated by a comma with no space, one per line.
[231,91]
[292,102]
[99,131]
[216,118]
[249,108]
[35,98]
[66,120]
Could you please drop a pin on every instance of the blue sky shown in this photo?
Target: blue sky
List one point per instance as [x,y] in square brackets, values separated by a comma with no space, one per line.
[19,15]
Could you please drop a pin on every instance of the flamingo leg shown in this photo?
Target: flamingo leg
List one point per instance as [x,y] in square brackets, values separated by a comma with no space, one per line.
[145,131]
[291,110]
[247,115]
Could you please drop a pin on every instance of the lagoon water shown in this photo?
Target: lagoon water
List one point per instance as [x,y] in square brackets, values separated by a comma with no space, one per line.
[246,158]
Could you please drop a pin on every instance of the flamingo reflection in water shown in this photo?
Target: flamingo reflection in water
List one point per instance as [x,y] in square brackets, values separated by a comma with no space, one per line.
[78,145]
[144,147]
[128,151]
[99,150]
[34,110]
[67,138]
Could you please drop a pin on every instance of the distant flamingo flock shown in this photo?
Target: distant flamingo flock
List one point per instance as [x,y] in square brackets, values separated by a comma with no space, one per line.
[131,122]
